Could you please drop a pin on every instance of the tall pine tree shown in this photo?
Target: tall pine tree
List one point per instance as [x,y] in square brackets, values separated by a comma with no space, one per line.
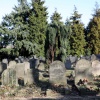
[77,38]
[37,26]
[93,32]
[17,25]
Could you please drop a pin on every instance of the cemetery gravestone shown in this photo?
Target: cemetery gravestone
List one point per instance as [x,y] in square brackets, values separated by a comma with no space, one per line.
[29,78]
[11,64]
[57,73]
[9,77]
[68,64]
[83,70]
[96,68]
[73,59]
[21,69]
[5,61]
[93,57]
[34,63]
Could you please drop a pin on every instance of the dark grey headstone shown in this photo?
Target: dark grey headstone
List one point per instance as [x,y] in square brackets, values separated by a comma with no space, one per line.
[34,63]
[68,64]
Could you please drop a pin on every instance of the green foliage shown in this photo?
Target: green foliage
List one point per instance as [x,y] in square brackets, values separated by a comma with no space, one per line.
[15,28]
[93,33]
[77,38]
[57,42]
[37,26]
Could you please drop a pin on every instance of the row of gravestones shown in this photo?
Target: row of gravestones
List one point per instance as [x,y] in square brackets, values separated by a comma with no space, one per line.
[17,72]
[84,69]
[71,60]
[12,72]
[25,71]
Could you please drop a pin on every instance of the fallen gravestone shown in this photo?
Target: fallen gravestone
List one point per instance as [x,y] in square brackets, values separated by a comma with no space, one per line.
[57,73]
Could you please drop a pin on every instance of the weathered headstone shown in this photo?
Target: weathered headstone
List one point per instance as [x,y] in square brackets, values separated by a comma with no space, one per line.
[5,61]
[21,69]
[29,78]
[57,73]
[11,64]
[73,59]
[41,69]
[9,77]
[96,68]
[93,57]
[83,71]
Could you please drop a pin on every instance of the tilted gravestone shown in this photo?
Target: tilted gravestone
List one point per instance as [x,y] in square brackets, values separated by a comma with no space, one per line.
[8,77]
[12,64]
[83,70]
[57,73]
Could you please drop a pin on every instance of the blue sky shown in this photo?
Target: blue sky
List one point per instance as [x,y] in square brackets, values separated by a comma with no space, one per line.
[64,7]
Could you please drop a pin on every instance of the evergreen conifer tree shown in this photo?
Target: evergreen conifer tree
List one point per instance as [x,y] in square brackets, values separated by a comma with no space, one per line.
[93,33]
[37,26]
[77,38]
[56,38]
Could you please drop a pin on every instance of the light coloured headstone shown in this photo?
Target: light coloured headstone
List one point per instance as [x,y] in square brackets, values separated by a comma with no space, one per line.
[21,69]
[29,79]
[12,64]
[5,61]
[94,63]
[83,70]
[57,73]
[41,69]
[9,77]
[96,68]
